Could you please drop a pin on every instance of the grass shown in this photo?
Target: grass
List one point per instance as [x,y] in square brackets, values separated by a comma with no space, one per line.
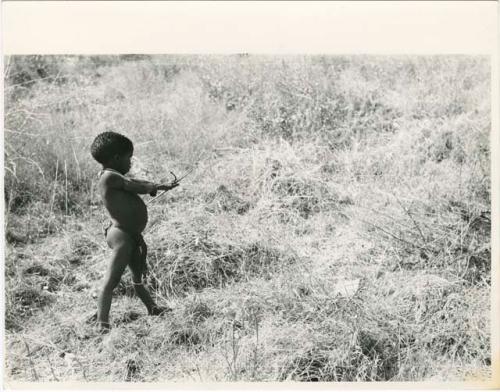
[336,226]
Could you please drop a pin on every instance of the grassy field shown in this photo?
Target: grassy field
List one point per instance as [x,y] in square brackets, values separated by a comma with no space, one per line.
[336,226]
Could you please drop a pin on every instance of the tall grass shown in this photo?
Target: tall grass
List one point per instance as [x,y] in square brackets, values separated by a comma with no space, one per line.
[312,174]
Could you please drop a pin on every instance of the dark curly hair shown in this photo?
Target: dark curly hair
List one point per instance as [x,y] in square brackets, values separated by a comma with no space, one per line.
[108,144]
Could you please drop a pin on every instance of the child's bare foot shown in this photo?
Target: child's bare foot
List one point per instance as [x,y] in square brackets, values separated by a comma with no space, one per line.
[103,327]
[159,310]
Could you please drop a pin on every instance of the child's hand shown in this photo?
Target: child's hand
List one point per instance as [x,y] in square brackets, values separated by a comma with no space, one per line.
[154,189]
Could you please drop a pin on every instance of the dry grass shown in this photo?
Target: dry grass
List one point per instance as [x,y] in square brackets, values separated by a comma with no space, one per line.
[336,226]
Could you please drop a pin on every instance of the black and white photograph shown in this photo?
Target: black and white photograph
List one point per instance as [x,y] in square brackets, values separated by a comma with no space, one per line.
[245,217]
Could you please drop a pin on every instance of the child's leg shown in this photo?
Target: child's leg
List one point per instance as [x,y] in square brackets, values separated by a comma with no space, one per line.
[138,266]
[123,246]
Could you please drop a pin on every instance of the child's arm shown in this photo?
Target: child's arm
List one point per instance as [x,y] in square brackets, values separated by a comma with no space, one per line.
[142,182]
[139,187]
[138,181]
[159,187]
[117,181]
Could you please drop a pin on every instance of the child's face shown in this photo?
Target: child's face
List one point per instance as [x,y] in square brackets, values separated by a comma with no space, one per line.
[122,163]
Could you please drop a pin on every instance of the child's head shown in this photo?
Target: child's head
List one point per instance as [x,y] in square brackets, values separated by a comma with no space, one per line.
[113,150]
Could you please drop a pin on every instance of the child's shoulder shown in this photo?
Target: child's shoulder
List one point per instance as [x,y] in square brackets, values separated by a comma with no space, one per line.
[110,178]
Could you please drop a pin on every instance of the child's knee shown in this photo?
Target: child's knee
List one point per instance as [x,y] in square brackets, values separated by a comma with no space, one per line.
[137,278]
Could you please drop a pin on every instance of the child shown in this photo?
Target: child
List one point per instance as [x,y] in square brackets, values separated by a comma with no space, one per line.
[128,215]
